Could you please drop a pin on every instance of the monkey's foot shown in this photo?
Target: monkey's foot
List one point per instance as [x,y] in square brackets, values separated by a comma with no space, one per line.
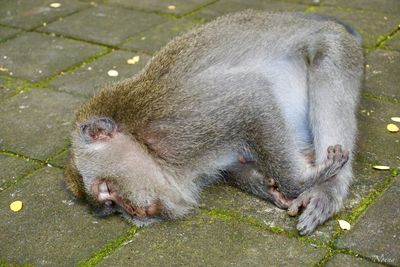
[336,158]
[278,197]
[317,204]
[98,129]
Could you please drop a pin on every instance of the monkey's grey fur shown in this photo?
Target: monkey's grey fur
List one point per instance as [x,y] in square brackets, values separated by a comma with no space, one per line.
[270,87]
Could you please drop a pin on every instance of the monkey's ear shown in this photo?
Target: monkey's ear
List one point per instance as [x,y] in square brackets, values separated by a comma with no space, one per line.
[98,129]
[74,180]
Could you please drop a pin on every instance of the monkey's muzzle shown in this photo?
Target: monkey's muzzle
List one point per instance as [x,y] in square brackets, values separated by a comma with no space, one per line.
[111,202]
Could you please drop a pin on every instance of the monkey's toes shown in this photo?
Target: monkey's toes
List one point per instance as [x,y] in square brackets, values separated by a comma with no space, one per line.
[298,204]
[97,129]
[337,155]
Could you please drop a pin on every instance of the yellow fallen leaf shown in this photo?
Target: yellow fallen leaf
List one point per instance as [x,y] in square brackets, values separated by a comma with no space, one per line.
[133,60]
[381,167]
[344,225]
[112,73]
[393,128]
[396,119]
[55,5]
[16,206]
[171,7]
[3,68]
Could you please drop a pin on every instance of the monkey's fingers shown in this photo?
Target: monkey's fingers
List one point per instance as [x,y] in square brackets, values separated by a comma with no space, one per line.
[298,204]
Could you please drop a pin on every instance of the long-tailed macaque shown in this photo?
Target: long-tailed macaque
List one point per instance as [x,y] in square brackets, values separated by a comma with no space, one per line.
[266,99]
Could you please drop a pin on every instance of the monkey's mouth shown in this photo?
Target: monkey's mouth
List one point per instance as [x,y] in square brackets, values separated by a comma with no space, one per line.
[109,197]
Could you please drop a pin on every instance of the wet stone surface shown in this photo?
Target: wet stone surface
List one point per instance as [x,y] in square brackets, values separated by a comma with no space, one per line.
[6,33]
[176,7]
[376,234]
[152,40]
[40,125]
[389,6]
[346,260]
[104,24]
[13,168]
[227,6]
[91,77]
[208,241]
[34,56]
[33,13]
[383,74]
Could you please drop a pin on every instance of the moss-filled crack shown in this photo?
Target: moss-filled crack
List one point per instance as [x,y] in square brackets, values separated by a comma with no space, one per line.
[352,218]
[11,36]
[209,3]
[77,65]
[40,164]
[15,181]
[381,98]
[110,247]
[247,220]
[381,41]
[58,18]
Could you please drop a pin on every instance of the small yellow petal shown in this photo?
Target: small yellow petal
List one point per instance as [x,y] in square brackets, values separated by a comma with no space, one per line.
[344,225]
[133,60]
[55,5]
[112,73]
[393,128]
[396,119]
[16,206]
[171,7]
[381,167]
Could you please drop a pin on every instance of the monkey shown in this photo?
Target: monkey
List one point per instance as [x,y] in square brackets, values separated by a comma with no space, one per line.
[267,98]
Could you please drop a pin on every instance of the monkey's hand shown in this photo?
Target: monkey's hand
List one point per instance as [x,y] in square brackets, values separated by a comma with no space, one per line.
[319,202]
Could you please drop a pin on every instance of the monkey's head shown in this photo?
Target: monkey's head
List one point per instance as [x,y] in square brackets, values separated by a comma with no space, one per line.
[115,173]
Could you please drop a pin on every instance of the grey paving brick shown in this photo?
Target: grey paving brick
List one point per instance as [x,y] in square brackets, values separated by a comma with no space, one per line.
[7,32]
[202,241]
[52,229]
[227,6]
[37,123]
[383,73]
[8,87]
[107,25]
[371,25]
[91,77]
[347,260]
[33,13]
[393,43]
[376,235]
[152,40]
[35,56]
[13,168]
[178,7]
[376,144]
[387,6]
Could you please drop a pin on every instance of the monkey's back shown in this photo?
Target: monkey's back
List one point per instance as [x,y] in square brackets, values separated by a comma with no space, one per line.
[209,86]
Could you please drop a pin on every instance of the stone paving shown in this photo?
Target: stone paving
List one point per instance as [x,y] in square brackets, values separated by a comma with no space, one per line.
[52,59]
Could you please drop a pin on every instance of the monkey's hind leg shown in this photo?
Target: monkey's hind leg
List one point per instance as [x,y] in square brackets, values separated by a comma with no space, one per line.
[246,176]
[335,74]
